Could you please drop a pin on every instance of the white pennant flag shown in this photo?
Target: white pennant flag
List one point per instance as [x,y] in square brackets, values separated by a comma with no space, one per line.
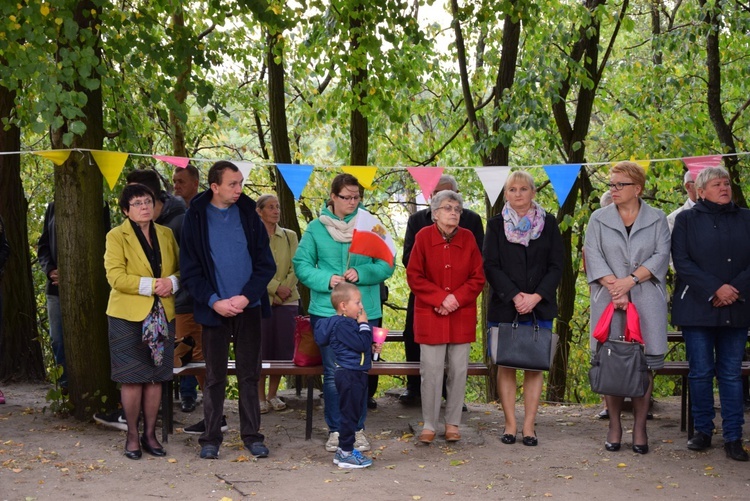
[493,180]
[244,168]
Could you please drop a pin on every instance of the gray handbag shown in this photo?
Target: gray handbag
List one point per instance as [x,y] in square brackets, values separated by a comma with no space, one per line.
[526,347]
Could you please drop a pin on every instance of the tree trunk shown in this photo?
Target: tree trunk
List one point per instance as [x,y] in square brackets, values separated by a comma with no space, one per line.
[179,147]
[723,129]
[20,352]
[80,234]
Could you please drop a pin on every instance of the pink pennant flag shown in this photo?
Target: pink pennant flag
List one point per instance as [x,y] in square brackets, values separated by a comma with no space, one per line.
[427,178]
[697,164]
[177,161]
[370,238]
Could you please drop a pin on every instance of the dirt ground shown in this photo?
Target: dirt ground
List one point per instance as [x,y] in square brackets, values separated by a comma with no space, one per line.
[44,457]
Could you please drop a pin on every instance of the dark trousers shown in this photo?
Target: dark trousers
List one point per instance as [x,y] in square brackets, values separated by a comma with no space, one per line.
[244,331]
[352,388]
[411,348]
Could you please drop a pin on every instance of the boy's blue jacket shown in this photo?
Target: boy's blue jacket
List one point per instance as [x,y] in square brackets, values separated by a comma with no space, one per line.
[351,342]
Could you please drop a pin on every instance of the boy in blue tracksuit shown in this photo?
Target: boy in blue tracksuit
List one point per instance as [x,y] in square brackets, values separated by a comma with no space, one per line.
[350,338]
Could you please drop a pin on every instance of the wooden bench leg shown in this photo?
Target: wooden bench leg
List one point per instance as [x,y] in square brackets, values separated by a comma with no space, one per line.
[309,417]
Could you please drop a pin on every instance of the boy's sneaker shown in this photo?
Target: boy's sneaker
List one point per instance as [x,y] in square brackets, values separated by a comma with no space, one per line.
[114,419]
[199,427]
[354,459]
[360,441]
[333,441]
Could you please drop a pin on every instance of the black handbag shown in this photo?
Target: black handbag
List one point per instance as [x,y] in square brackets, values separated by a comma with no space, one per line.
[517,346]
[619,366]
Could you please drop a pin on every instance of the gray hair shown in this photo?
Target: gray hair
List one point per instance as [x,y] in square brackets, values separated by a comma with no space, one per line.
[448,179]
[689,177]
[709,174]
[441,196]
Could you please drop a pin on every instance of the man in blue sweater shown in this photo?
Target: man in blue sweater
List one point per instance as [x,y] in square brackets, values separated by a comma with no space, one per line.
[226,264]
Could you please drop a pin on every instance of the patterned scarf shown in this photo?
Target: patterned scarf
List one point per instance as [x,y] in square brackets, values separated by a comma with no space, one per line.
[156,332]
[523,230]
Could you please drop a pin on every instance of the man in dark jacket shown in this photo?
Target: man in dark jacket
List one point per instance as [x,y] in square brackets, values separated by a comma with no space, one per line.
[226,264]
[421,219]
[47,254]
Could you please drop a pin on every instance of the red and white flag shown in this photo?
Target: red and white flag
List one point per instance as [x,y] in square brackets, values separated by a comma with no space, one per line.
[370,238]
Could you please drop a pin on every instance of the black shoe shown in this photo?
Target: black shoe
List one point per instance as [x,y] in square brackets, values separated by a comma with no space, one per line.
[209,452]
[114,419]
[133,454]
[735,450]
[258,449]
[699,442]
[604,414]
[154,451]
[199,427]
[409,397]
[371,403]
[640,449]
[530,441]
[464,408]
[612,447]
[507,438]
[188,404]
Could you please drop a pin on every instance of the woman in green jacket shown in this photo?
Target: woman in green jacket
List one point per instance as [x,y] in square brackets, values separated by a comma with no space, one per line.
[322,261]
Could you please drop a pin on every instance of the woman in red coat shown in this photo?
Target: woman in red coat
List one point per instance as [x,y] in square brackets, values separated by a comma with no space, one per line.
[446,276]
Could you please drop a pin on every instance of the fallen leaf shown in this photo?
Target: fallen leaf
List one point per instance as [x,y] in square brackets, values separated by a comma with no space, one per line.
[328,481]
[64,470]
[390,467]
[659,486]
[548,494]
[709,468]
[667,441]
[416,497]
[421,466]
[622,465]
[674,484]
[457,462]
[17,470]
[241,459]
[171,460]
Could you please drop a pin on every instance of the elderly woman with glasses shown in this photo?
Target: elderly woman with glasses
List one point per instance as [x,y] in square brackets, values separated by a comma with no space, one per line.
[445,274]
[523,261]
[711,253]
[141,260]
[627,257]
[323,260]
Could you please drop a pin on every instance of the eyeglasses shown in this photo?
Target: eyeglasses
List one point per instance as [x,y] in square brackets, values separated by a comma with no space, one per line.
[348,199]
[146,203]
[451,208]
[619,186]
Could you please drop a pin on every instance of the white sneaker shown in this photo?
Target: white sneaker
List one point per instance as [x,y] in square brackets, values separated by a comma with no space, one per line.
[332,444]
[360,441]
[264,407]
[277,404]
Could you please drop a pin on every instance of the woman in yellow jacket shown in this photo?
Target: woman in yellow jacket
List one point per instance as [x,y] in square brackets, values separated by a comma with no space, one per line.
[141,260]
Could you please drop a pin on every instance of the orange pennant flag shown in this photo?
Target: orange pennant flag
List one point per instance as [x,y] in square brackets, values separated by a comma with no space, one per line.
[110,164]
[58,157]
[365,175]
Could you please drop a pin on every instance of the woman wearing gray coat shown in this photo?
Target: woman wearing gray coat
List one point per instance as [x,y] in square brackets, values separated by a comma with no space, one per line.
[627,256]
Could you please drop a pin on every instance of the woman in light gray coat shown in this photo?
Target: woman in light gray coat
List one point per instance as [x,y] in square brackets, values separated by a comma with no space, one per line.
[627,257]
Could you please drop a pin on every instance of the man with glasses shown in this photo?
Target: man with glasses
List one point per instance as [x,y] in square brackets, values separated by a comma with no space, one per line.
[421,219]
[689,183]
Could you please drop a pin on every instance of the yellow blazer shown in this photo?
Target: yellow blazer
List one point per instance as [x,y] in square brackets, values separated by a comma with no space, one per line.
[126,263]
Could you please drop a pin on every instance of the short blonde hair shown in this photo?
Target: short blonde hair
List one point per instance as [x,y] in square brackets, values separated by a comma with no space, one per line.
[632,170]
[709,174]
[520,176]
[341,293]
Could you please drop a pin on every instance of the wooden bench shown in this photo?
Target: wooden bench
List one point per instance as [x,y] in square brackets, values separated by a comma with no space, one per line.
[286,367]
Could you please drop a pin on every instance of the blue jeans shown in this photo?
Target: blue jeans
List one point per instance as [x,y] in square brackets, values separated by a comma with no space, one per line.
[331,409]
[54,315]
[188,387]
[716,352]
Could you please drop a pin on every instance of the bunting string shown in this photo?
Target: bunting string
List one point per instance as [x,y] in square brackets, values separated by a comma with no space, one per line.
[562,177]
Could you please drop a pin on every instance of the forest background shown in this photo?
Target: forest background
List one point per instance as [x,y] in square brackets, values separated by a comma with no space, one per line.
[392,83]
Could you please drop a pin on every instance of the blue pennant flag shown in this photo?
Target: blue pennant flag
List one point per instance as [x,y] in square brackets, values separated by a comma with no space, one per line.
[295,176]
[562,177]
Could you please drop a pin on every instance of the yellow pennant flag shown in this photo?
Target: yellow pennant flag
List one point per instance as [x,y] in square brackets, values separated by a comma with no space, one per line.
[110,164]
[643,163]
[365,175]
[58,157]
